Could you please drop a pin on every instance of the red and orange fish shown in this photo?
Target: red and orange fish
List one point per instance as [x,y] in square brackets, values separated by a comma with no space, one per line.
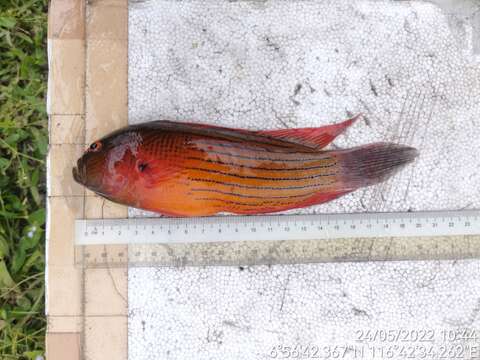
[185,169]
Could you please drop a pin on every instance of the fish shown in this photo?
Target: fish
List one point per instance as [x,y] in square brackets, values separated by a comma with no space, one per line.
[189,169]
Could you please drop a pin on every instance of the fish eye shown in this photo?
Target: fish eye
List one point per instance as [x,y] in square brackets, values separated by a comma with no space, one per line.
[96,146]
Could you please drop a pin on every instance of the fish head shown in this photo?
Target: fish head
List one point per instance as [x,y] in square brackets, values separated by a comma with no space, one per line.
[108,165]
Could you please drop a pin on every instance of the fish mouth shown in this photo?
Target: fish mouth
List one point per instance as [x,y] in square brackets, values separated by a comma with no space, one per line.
[79,173]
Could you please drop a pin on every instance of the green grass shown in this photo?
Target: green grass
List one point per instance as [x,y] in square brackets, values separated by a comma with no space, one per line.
[23,148]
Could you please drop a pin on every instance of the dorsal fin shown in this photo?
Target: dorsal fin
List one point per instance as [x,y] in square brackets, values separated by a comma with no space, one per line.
[317,138]
[219,132]
[303,139]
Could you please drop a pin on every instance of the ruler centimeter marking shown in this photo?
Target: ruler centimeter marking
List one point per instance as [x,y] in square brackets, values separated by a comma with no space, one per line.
[279,227]
[278,239]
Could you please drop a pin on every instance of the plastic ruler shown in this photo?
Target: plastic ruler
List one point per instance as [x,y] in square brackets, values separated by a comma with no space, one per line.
[237,240]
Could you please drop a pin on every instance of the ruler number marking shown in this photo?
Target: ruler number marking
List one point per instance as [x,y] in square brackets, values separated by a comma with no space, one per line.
[284,227]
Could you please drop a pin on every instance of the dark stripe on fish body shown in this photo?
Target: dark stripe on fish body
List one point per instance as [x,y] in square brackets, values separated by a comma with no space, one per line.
[161,145]
[262,204]
[261,177]
[246,147]
[281,188]
[280,143]
[152,142]
[261,168]
[261,158]
[170,143]
[252,196]
[156,148]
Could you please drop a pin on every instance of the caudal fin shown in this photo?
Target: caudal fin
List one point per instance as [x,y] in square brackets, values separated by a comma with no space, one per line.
[371,164]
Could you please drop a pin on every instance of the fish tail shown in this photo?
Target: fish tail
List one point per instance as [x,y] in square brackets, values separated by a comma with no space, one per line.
[371,164]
